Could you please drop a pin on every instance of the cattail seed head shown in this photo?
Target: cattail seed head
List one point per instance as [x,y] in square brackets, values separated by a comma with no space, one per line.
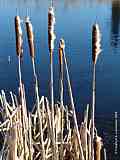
[30,37]
[51,24]
[61,48]
[62,43]
[96,39]
[19,40]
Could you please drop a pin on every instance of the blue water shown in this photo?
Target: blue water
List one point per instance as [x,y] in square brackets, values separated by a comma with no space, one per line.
[74,20]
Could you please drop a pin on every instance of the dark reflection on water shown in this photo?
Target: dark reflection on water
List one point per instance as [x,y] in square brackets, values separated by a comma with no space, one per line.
[106,128]
[74,19]
[115,26]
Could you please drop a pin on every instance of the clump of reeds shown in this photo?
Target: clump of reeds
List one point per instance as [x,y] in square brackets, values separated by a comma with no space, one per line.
[50,131]
[12,129]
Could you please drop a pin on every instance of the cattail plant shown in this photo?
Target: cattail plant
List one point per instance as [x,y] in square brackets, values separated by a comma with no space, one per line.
[96,38]
[51,39]
[30,36]
[72,102]
[24,118]
[61,46]
[19,42]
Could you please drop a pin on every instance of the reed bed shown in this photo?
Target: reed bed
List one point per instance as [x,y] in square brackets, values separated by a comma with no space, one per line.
[23,139]
[50,131]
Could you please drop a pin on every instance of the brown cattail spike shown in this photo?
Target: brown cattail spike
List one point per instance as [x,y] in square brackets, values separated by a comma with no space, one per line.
[61,47]
[30,36]
[96,39]
[51,34]
[19,40]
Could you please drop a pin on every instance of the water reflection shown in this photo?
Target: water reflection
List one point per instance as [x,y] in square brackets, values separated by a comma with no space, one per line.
[41,3]
[115,22]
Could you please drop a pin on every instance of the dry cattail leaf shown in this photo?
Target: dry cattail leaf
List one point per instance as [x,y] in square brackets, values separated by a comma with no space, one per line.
[19,40]
[51,34]
[96,39]
[98,146]
[30,36]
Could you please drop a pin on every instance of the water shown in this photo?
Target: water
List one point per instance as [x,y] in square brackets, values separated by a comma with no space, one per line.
[74,20]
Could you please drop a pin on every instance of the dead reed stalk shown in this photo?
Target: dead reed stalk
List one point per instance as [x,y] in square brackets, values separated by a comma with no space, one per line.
[61,45]
[72,103]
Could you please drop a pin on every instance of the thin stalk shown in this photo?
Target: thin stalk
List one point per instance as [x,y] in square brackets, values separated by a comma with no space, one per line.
[52,4]
[30,138]
[38,109]
[19,70]
[85,134]
[52,104]
[61,100]
[62,121]
[22,104]
[73,107]
[51,83]
[21,100]
[105,156]
[61,84]
[93,111]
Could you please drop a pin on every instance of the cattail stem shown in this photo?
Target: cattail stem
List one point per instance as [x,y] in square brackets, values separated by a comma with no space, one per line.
[93,111]
[61,97]
[52,104]
[19,70]
[30,138]
[73,107]
[52,3]
[85,150]
[30,36]
[51,39]
[38,109]
[61,84]
[105,156]
[96,49]
[33,65]
[51,82]
[51,86]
